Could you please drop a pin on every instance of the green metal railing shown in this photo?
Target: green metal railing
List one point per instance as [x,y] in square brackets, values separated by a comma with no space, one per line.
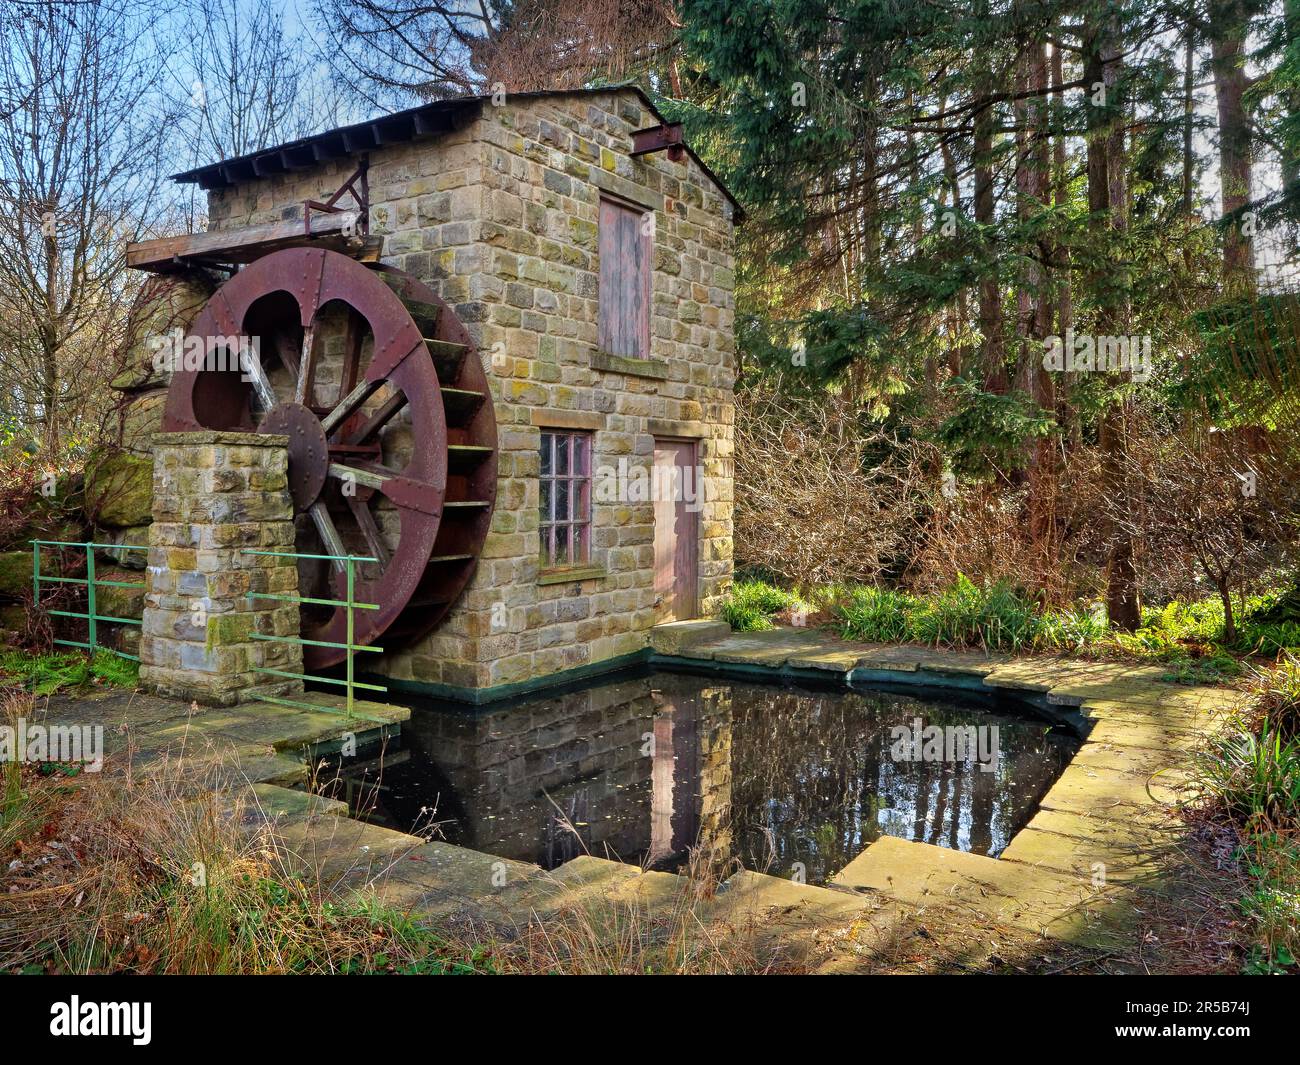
[350,604]
[90,582]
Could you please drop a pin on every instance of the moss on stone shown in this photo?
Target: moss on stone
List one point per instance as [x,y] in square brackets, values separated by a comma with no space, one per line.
[15,574]
[117,602]
[119,489]
[227,629]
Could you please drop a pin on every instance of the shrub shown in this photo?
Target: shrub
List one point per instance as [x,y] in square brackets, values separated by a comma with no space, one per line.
[820,495]
[1073,629]
[964,615]
[960,615]
[874,615]
[751,604]
[1255,774]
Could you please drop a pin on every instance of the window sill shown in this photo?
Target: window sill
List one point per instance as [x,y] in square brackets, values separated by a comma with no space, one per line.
[625,364]
[570,574]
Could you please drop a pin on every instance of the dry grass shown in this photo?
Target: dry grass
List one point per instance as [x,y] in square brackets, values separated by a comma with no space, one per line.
[127,872]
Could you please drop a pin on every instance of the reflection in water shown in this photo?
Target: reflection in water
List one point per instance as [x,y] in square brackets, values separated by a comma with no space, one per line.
[643,769]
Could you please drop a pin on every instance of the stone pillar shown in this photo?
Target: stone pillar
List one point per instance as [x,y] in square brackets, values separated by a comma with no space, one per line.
[215,495]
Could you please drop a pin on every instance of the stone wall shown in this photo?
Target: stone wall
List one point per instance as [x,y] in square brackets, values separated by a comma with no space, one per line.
[500,217]
[215,495]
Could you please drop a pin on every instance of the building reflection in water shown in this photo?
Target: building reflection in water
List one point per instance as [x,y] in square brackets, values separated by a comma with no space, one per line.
[644,769]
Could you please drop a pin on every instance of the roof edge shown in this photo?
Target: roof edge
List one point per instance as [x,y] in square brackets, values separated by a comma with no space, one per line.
[430,120]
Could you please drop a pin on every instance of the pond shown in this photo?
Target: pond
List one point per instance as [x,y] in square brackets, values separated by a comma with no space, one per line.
[641,768]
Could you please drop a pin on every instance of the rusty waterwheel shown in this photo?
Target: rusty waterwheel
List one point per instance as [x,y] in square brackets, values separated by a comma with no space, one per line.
[392,438]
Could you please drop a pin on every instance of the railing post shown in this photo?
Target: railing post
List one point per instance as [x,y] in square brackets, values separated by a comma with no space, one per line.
[36,574]
[351,633]
[347,565]
[91,628]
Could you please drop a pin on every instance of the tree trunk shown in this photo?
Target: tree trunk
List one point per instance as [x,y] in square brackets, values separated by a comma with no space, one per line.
[1228,24]
[1290,161]
[1229,621]
[990,295]
[1189,112]
[1036,163]
[1108,206]
[1066,412]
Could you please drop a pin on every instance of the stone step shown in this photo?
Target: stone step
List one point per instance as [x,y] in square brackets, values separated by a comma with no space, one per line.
[803,924]
[1035,899]
[439,880]
[1088,847]
[673,637]
[345,852]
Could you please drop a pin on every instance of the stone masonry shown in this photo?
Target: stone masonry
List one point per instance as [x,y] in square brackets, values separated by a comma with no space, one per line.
[500,217]
[216,494]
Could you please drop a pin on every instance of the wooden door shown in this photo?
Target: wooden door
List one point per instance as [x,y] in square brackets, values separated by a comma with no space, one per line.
[677,531]
[626,258]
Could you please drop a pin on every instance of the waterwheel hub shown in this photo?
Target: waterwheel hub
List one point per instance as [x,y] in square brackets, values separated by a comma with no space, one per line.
[308,451]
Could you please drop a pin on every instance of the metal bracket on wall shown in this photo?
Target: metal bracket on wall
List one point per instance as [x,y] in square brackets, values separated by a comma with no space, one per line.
[358,187]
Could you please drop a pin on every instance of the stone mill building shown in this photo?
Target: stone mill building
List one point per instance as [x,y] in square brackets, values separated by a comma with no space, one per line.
[498,335]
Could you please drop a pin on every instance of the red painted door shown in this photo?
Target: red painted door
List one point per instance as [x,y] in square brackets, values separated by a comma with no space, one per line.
[677,530]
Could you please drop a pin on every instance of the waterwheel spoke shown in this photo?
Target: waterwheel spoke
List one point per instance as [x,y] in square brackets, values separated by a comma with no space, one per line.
[390,408]
[329,533]
[348,404]
[288,352]
[367,478]
[369,530]
[306,366]
[256,374]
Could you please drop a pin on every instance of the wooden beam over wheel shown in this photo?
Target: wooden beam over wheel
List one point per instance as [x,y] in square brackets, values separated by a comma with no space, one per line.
[335,232]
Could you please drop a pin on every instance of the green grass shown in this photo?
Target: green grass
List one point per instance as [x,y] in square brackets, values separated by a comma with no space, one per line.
[962,615]
[45,674]
[752,604]
[1254,772]
[875,615]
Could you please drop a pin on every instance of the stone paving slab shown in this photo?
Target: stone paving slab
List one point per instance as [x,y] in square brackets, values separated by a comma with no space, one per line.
[1106,793]
[1074,843]
[670,638]
[835,660]
[1125,758]
[111,708]
[1192,719]
[1145,733]
[270,802]
[219,746]
[1082,858]
[345,852]
[763,649]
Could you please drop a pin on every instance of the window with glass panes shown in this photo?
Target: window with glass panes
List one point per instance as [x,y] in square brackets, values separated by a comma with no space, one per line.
[565,498]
